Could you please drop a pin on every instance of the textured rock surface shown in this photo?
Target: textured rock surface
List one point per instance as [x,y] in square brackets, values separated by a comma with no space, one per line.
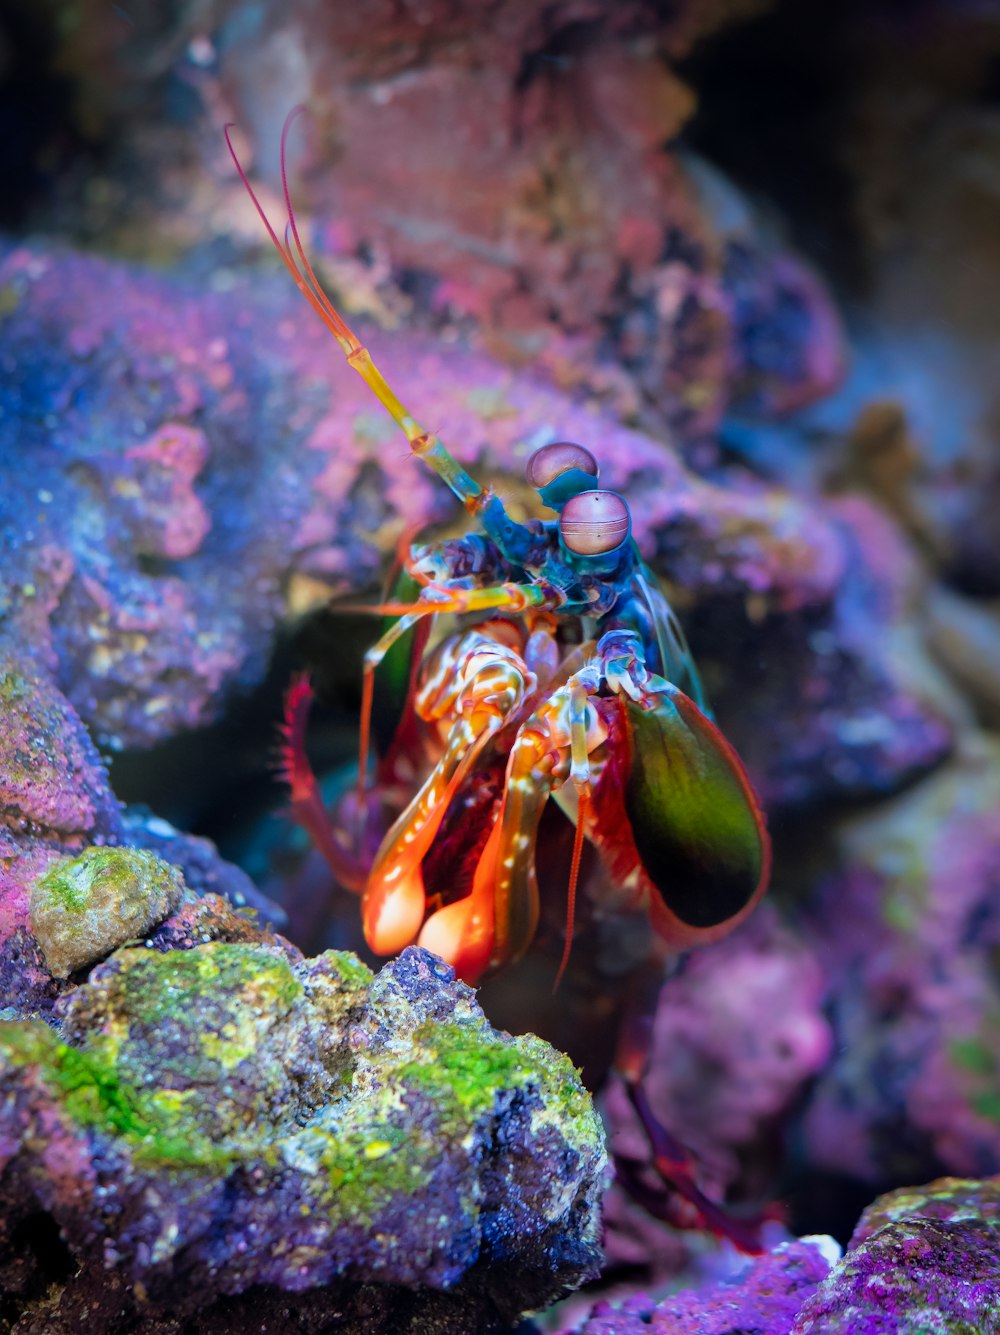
[83,907]
[525,179]
[763,1298]
[923,1261]
[55,801]
[907,935]
[222,1117]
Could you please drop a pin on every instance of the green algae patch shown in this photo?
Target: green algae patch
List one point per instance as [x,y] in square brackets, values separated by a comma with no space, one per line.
[972,1055]
[85,906]
[157,988]
[349,970]
[365,1167]
[207,1032]
[975,1064]
[90,1094]
[465,1070]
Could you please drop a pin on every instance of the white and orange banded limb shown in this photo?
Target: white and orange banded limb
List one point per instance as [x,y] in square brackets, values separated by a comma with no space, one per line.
[476,684]
[496,922]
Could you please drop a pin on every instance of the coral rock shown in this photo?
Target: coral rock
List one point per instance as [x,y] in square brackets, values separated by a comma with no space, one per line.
[764,1298]
[85,906]
[225,1117]
[912,924]
[923,1261]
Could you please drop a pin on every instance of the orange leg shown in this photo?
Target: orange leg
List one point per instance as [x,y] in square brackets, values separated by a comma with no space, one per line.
[496,921]
[439,598]
[373,657]
[494,684]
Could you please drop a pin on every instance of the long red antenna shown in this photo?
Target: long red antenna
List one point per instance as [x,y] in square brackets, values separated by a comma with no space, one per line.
[305,277]
[422,443]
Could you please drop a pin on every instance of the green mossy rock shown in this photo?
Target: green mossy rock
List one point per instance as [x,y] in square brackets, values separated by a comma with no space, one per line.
[85,906]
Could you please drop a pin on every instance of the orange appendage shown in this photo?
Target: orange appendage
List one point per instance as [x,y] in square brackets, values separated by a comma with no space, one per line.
[464,933]
[395,900]
[393,907]
[582,817]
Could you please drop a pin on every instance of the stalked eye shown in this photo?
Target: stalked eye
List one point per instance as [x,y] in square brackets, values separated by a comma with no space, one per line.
[546,464]
[594,523]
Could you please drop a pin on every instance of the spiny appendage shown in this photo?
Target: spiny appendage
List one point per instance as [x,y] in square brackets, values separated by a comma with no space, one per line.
[307,803]
[292,762]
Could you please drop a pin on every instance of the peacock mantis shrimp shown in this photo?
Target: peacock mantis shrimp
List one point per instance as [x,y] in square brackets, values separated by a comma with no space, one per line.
[561,672]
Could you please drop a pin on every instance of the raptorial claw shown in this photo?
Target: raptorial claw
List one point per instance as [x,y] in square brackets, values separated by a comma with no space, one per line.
[481,681]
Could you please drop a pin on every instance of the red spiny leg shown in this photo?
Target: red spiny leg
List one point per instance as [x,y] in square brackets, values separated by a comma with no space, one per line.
[671,1161]
[307,803]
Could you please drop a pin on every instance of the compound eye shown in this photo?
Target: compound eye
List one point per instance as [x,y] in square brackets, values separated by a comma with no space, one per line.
[595,523]
[551,461]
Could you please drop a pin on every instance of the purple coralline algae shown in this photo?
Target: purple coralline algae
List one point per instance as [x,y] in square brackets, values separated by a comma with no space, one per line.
[764,1298]
[907,933]
[223,1117]
[206,463]
[923,1261]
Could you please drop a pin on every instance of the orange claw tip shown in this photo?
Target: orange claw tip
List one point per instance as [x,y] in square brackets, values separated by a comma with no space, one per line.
[392,911]
[458,937]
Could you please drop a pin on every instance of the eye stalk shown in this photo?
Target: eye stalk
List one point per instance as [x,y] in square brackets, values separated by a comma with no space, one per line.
[561,470]
[595,523]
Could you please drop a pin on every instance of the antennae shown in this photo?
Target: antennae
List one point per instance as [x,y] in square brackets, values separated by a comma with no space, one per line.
[311,290]
[335,321]
[509,536]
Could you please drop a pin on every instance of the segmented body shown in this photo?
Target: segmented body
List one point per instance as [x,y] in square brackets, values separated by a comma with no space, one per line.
[565,668]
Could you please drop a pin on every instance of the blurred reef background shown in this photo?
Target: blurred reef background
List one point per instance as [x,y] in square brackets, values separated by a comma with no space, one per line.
[748,253]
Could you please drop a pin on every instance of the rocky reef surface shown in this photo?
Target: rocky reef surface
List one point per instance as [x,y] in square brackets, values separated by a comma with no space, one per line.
[202,1130]
[228,1117]
[922,1259]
